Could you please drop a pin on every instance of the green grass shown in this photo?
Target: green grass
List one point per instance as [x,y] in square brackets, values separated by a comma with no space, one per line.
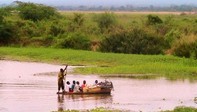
[108,64]
[183,109]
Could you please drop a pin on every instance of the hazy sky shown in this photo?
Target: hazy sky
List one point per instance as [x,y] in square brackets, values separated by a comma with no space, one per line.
[108,2]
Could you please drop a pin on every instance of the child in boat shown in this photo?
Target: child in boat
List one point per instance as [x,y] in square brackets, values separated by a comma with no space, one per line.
[68,87]
[83,85]
[77,87]
[95,83]
[73,86]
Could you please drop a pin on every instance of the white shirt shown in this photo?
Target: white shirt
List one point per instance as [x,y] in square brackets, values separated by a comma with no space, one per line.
[67,88]
[76,88]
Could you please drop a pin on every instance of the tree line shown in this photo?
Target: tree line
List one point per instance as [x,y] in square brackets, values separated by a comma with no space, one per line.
[173,8]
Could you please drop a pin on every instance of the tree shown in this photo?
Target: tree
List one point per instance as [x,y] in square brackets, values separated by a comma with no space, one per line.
[136,41]
[76,22]
[35,12]
[7,34]
[76,41]
[4,11]
[152,20]
[7,31]
[105,20]
[186,47]
[78,19]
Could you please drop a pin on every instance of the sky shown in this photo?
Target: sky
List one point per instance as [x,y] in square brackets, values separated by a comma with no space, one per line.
[108,2]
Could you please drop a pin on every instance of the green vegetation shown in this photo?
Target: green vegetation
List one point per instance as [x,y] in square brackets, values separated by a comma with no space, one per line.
[37,25]
[35,12]
[183,109]
[109,64]
[136,41]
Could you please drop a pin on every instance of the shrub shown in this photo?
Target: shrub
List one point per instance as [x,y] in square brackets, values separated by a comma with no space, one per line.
[35,12]
[7,34]
[1,18]
[26,28]
[171,37]
[136,41]
[152,20]
[76,22]
[105,20]
[39,41]
[76,41]
[186,47]
[56,29]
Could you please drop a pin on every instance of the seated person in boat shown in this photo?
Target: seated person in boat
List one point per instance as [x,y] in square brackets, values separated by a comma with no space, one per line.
[73,86]
[77,88]
[68,87]
[95,83]
[83,85]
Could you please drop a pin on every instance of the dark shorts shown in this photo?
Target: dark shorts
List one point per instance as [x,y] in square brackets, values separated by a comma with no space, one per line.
[60,85]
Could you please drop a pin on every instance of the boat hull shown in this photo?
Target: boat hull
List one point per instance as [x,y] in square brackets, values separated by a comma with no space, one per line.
[90,90]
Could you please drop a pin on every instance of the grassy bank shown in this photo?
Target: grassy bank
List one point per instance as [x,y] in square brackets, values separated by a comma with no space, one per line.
[108,64]
[183,109]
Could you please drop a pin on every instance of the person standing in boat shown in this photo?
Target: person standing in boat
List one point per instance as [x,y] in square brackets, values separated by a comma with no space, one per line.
[61,79]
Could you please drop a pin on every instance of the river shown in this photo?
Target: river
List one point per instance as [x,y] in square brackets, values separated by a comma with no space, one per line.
[32,87]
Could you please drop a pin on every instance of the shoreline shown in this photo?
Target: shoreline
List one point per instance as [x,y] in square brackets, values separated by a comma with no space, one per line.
[107,64]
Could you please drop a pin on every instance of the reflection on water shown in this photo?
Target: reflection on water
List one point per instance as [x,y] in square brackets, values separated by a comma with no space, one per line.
[32,87]
[79,101]
[60,100]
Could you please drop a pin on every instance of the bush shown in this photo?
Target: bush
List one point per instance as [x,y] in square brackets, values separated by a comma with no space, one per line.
[105,20]
[26,28]
[76,22]
[1,18]
[152,20]
[56,29]
[136,41]
[35,12]
[171,37]
[186,47]
[7,34]
[75,41]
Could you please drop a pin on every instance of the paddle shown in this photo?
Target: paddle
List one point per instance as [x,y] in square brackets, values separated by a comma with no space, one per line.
[66,71]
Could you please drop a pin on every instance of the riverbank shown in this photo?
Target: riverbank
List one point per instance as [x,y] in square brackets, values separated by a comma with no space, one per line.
[108,64]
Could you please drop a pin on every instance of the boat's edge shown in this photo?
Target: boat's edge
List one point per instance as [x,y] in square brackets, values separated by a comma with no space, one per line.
[81,93]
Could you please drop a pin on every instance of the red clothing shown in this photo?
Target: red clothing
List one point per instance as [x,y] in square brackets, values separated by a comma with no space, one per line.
[83,85]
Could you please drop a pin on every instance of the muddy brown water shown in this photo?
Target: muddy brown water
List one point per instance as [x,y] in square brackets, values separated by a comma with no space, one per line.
[31,87]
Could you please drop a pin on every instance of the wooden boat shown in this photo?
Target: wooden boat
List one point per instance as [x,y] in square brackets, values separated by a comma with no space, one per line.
[100,88]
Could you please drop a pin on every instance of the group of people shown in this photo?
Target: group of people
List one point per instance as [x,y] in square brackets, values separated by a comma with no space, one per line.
[75,87]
